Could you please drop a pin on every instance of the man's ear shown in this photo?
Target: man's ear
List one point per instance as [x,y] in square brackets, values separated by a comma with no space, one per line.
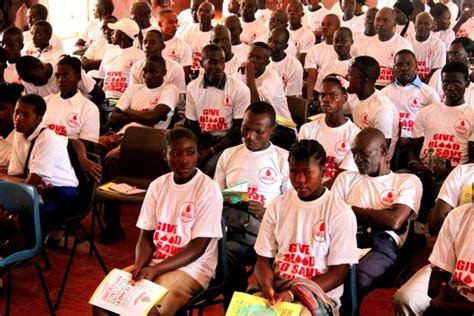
[384,148]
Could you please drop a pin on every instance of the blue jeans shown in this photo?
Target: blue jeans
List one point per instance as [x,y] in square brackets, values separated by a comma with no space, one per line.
[57,203]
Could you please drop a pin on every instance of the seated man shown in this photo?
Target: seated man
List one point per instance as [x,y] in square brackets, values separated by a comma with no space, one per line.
[41,33]
[12,43]
[412,298]
[287,67]
[38,78]
[40,158]
[307,238]
[266,85]
[95,51]
[443,135]
[300,35]
[450,284]
[215,105]
[37,12]
[370,107]
[383,203]
[116,64]
[266,177]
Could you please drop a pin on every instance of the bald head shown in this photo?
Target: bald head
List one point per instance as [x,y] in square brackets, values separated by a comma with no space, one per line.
[385,22]
[140,12]
[369,150]
[220,36]
[232,23]
[279,18]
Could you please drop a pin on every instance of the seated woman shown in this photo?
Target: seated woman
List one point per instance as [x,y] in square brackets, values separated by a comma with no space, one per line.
[40,158]
[9,95]
[307,238]
[332,129]
[180,226]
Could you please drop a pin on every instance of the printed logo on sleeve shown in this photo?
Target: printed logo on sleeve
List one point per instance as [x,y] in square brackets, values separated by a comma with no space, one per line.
[155,100]
[129,64]
[73,120]
[462,126]
[386,197]
[342,147]
[187,212]
[267,175]
[319,231]
[172,53]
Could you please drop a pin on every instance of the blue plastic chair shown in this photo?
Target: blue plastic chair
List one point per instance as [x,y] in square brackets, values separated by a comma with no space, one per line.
[23,200]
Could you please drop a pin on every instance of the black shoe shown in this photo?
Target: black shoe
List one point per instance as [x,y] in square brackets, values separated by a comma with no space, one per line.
[112,237]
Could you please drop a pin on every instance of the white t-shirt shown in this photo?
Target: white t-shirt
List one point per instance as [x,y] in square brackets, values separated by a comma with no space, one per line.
[336,141]
[430,54]
[316,17]
[139,98]
[263,15]
[446,129]
[30,48]
[305,238]
[318,55]
[466,29]
[380,192]
[76,117]
[457,187]
[196,39]
[446,36]
[266,176]
[303,38]
[179,213]
[452,251]
[251,30]
[185,21]
[174,74]
[98,48]
[242,50]
[290,50]
[214,108]
[232,66]
[49,158]
[290,71]
[115,69]
[92,31]
[270,89]
[409,100]
[384,53]
[409,32]
[377,111]
[10,74]
[85,85]
[6,150]
[339,67]
[178,50]
[356,24]
[47,55]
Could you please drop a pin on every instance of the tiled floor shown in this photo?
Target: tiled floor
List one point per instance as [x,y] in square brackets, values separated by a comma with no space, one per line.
[86,274]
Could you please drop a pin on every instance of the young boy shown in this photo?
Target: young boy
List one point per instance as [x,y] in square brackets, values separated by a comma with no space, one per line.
[41,33]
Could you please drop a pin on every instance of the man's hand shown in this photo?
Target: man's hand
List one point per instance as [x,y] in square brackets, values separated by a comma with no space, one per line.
[140,273]
[91,169]
[256,209]
[270,295]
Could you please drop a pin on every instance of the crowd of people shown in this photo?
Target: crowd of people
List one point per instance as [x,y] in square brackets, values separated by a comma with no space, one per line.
[387,154]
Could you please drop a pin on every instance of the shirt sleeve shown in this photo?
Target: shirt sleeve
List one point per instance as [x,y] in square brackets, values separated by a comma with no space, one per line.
[343,246]
[266,244]
[242,100]
[419,128]
[147,218]
[17,160]
[125,99]
[339,186]
[294,84]
[209,213]
[444,253]
[451,189]
[186,55]
[177,78]
[170,96]
[46,146]
[90,51]
[219,175]
[384,120]
[90,129]
[308,41]
[310,61]
[409,193]
[87,83]
[135,74]
[190,110]
[439,58]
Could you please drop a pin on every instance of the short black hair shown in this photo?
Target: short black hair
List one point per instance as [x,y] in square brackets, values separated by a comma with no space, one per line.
[307,150]
[466,42]
[438,9]
[262,107]
[285,32]
[345,30]
[157,33]
[406,52]
[72,61]
[369,66]
[178,133]
[160,61]
[456,66]
[25,64]
[107,6]
[336,79]
[10,92]
[46,26]
[41,9]
[13,31]
[36,102]
[211,48]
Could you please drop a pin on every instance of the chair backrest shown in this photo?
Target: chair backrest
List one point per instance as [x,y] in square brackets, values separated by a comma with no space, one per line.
[86,188]
[141,156]
[298,110]
[222,269]
[23,200]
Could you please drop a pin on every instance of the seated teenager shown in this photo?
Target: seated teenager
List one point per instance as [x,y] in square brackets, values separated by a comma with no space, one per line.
[186,206]
[332,129]
[307,237]
[450,286]
[12,43]
[38,78]
[383,203]
[10,94]
[40,158]
[266,177]
[41,33]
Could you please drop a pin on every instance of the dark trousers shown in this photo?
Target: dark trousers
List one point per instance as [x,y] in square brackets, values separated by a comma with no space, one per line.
[382,257]
[57,202]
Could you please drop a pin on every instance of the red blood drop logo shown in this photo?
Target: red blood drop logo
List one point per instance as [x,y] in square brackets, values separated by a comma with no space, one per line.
[322,227]
[467,280]
[343,145]
[268,173]
[462,123]
[390,195]
[188,209]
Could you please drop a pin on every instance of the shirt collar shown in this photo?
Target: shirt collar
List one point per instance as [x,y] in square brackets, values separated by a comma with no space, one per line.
[416,82]
[47,49]
[35,132]
[219,85]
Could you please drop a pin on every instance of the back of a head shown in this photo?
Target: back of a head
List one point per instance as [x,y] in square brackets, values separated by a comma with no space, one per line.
[466,43]
[36,102]
[14,32]
[369,66]
[10,92]
[456,67]
[26,64]
[307,150]
[261,107]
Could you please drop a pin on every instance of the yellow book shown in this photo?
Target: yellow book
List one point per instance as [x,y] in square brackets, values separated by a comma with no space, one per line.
[284,122]
[243,304]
